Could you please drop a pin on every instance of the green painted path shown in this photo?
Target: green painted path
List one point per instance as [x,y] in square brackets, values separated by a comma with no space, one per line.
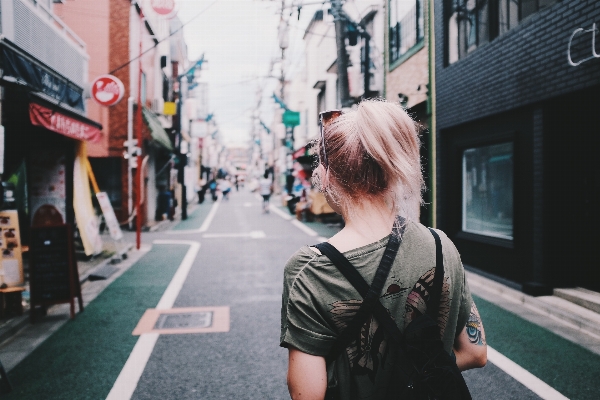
[196,218]
[569,368]
[84,357]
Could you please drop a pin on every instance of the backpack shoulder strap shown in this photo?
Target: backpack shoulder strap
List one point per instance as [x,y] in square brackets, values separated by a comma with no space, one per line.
[438,278]
[370,304]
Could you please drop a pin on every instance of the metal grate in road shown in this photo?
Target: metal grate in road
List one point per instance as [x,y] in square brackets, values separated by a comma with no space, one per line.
[184,320]
[201,319]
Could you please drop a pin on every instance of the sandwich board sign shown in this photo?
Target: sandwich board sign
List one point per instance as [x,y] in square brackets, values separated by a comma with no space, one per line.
[109,216]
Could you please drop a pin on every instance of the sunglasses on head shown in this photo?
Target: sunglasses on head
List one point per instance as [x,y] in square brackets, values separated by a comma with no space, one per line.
[325,118]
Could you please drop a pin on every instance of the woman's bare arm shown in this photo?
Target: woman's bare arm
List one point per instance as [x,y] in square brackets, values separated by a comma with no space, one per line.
[470,346]
[307,376]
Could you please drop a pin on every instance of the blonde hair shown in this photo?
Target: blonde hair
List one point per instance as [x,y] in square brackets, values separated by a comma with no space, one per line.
[373,151]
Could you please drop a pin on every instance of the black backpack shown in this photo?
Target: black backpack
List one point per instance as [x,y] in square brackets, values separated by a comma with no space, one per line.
[422,369]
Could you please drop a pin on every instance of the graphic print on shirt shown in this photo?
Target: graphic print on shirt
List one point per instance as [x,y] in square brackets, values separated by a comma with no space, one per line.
[416,302]
[366,353]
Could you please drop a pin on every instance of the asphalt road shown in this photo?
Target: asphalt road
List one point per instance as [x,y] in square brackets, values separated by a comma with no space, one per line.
[232,255]
[245,274]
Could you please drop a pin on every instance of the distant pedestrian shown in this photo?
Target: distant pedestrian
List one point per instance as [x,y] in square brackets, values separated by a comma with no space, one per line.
[237,187]
[265,187]
[370,172]
[212,186]
[225,188]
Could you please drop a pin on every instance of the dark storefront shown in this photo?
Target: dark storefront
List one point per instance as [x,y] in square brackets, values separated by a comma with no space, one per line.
[42,115]
[517,132]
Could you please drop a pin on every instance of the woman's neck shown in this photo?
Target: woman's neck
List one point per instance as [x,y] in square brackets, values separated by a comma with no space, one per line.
[366,223]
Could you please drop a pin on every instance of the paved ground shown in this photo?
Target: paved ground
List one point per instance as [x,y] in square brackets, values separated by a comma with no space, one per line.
[239,265]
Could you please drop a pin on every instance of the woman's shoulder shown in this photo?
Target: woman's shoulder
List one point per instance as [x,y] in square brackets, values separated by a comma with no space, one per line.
[298,261]
[418,235]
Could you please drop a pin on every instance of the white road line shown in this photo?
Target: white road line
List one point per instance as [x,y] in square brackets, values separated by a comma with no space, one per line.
[519,373]
[205,224]
[129,377]
[168,298]
[304,228]
[282,214]
[132,371]
[251,234]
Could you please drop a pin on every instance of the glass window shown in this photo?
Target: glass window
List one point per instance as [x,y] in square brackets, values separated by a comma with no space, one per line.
[471,23]
[487,203]
[407,26]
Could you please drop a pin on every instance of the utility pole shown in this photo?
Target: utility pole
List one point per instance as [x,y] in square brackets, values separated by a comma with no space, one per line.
[138,123]
[342,56]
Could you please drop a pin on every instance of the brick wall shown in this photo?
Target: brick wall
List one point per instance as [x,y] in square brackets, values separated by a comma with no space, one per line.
[119,54]
[523,66]
[410,78]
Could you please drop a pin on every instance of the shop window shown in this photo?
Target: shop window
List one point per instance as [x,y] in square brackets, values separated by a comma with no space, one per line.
[407,26]
[472,23]
[487,179]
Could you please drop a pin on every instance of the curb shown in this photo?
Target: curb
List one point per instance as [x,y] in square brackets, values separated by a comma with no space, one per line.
[582,319]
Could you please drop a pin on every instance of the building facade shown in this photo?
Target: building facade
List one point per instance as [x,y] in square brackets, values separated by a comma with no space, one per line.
[115,29]
[517,87]
[407,75]
[44,120]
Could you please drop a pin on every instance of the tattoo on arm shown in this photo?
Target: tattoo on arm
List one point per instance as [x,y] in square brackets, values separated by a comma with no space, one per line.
[475,327]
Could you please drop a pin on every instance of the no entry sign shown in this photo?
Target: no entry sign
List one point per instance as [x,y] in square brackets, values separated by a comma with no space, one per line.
[166,8]
[107,90]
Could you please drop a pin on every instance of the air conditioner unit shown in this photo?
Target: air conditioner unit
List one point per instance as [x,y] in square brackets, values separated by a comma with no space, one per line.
[158,106]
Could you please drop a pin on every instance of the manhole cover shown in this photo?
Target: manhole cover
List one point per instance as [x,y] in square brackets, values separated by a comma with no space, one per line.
[202,319]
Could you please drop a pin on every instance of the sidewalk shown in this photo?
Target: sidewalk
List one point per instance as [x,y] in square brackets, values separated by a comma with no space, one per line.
[100,267]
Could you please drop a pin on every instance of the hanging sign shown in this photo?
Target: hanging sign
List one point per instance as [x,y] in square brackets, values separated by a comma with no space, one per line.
[165,8]
[107,90]
[61,123]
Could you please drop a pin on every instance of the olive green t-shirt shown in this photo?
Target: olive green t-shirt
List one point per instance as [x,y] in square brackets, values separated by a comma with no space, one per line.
[318,302]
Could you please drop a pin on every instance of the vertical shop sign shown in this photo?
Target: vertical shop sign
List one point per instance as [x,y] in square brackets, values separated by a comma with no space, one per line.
[11,263]
[48,193]
[1,149]
[109,216]
[85,214]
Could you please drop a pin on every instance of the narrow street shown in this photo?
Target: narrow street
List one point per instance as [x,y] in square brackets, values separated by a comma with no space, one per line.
[228,258]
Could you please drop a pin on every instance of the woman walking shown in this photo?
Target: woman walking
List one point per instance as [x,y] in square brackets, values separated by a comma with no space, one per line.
[370,172]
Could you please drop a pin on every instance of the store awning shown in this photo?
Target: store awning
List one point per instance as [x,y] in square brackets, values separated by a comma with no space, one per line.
[159,135]
[22,69]
[67,124]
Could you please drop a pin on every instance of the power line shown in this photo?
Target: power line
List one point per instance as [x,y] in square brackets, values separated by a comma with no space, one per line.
[165,38]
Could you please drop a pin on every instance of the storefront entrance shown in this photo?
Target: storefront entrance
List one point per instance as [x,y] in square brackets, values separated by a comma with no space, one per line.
[572,184]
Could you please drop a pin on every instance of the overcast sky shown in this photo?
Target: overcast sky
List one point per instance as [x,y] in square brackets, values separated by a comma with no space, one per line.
[239,40]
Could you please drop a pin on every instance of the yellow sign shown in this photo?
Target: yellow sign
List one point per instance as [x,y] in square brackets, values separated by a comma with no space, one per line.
[87,222]
[170,108]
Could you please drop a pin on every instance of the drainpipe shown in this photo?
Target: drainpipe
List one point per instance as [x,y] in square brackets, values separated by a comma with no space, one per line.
[431,110]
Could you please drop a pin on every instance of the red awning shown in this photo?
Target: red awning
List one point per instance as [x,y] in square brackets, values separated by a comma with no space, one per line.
[61,123]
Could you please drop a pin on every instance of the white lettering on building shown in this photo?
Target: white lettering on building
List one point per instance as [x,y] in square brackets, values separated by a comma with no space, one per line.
[581,31]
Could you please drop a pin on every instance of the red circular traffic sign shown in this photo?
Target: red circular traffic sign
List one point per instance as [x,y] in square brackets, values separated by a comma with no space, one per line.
[166,8]
[107,90]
